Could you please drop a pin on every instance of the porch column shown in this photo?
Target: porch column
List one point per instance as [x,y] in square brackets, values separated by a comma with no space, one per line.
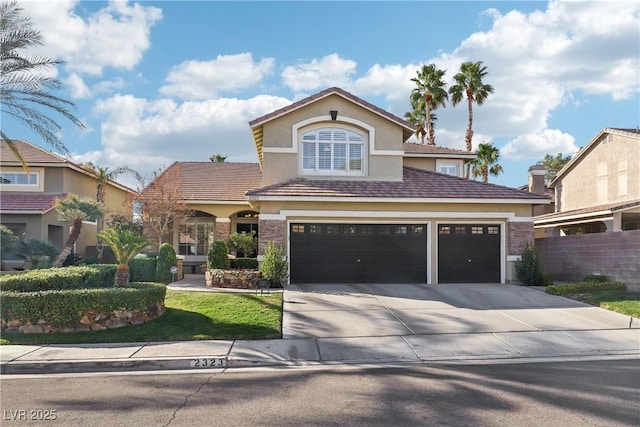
[271,230]
[223,229]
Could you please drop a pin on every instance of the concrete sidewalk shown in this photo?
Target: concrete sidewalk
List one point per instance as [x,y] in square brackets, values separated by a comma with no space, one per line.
[375,324]
[504,347]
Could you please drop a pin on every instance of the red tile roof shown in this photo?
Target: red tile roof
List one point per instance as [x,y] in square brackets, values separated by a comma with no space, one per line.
[36,203]
[31,153]
[211,181]
[416,183]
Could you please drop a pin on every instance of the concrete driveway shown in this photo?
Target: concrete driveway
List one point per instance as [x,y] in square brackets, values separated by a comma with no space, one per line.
[382,310]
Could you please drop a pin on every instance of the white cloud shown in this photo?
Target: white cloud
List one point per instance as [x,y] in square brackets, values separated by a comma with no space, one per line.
[77,86]
[205,79]
[329,71]
[535,146]
[147,134]
[115,36]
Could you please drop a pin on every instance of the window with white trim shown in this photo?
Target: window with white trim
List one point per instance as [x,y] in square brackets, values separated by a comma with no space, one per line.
[19,178]
[333,150]
[448,168]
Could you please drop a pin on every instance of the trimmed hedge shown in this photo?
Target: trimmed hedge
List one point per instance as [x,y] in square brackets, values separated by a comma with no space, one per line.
[574,288]
[76,277]
[245,263]
[142,269]
[165,260]
[64,307]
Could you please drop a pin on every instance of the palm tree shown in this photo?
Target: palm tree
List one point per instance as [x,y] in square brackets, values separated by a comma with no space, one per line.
[430,93]
[486,162]
[75,210]
[469,84]
[125,245]
[416,117]
[218,158]
[103,175]
[26,81]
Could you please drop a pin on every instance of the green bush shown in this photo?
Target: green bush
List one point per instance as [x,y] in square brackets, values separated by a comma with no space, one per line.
[142,269]
[245,263]
[218,256]
[529,269]
[574,288]
[274,265]
[78,277]
[244,242]
[596,278]
[61,308]
[165,260]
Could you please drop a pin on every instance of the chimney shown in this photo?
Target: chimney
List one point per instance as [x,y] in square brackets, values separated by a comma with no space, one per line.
[536,179]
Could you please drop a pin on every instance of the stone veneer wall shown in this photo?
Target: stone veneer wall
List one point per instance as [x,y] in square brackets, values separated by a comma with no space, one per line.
[614,254]
[92,320]
[223,230]
[520,233]
[271,230]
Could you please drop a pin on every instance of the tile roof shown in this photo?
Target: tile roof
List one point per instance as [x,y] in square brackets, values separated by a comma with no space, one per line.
[607,208]
[410,147]
[416,183]
[324,93]
[30,152]
[211,181]
[36,203]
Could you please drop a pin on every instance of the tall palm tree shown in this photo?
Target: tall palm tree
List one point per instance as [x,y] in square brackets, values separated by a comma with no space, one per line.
[103,176]
[26,83]
[75,209]
[486,162]
[125,245]
[430,93]
[416,117]
[469,84]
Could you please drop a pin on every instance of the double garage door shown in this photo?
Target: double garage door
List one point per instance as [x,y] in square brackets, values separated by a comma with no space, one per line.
[392,253]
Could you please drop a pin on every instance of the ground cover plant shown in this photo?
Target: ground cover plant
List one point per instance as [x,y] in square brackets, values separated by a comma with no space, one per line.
[188,316]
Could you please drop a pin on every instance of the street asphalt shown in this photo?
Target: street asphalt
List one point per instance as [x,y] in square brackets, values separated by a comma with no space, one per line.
[390,323]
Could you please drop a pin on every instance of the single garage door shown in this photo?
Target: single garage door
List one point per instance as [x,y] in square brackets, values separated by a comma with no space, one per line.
[358,253]
[468,253]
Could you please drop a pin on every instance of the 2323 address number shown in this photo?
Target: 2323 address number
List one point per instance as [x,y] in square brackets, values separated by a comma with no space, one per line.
[209,362]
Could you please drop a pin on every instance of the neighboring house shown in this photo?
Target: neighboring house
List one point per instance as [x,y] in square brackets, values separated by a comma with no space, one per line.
[351,201]
[537,185]
[27,200]
[599,189]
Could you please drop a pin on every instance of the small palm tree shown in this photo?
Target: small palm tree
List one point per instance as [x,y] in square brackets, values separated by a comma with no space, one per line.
[75,209]
[416,117]
[469,84]
[125,245]
[430,93]
[26,81]
[486,162]
[103,175]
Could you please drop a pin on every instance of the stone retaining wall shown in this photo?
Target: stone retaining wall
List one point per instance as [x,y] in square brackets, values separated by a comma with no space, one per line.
[238,279]
[92,320]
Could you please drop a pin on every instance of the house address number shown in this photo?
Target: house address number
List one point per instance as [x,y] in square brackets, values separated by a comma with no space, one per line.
[209,362]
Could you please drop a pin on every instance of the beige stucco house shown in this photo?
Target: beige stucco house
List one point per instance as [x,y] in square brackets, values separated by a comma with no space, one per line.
[599,189]
[351,200]
[27,199]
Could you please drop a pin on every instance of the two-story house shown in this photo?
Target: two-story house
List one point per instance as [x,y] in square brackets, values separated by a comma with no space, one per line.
[351,201]
[599,189]
[27,199]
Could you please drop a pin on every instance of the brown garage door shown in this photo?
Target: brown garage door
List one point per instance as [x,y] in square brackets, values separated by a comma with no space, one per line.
[358,253]
[468,253]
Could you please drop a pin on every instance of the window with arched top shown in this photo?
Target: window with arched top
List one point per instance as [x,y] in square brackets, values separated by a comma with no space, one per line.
[332,150]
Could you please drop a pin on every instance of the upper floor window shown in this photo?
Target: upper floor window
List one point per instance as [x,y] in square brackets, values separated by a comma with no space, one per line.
[448,168]
[19,178]
[332,150]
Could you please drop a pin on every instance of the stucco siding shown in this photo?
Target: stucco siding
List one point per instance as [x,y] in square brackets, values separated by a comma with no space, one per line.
[424,163]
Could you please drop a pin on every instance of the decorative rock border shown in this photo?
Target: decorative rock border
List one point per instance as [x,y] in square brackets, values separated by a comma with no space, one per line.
[237,279]
[92,320]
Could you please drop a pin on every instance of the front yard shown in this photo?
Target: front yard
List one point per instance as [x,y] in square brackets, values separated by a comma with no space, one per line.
[189,316]
[619,301]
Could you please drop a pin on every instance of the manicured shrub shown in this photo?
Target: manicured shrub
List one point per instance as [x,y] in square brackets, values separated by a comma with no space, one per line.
[165,260]
[529,269]
[218,256]
[64,307]
[274,265]
[245,263]
[77,277]
[575,288]
[142,269]
[244,242]
[596,278]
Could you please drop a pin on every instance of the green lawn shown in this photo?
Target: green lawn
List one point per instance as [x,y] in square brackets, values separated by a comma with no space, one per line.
[189,316]
[620,301]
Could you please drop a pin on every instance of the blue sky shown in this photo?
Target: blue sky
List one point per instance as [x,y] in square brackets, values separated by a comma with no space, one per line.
[159,81]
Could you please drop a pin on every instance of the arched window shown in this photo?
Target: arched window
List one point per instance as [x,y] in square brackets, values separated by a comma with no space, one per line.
[332,150]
